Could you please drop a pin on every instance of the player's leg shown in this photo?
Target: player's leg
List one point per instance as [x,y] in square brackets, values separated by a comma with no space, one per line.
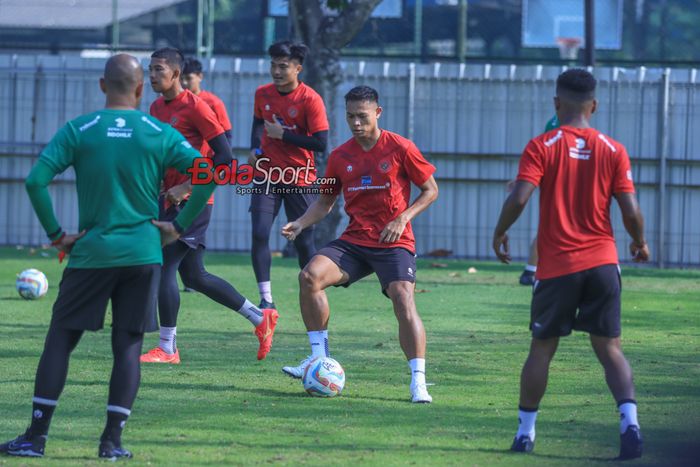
[411,336]
[335,264]
[168,306]
[194,275]
[528,275]
[81,305]
[295,205]
[134,302]
[600,317]
[263,210]
[552,315]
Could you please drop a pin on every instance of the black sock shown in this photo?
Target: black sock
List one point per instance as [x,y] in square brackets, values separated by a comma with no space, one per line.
[114,427]
[41,418]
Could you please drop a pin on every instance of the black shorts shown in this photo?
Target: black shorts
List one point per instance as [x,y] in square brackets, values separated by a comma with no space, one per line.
[196,234]
[295,203]
[586,301]
[390,264]
[83,295]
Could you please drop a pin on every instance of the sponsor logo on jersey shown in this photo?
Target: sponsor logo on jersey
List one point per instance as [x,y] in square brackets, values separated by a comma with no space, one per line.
[120,122]
[580,152]
[119,129]
[349,168]
[366,180]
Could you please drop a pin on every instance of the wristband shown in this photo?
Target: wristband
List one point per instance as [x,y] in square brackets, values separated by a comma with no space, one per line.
[58,240]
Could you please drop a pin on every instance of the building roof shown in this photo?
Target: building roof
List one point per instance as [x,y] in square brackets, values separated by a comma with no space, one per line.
[73,14]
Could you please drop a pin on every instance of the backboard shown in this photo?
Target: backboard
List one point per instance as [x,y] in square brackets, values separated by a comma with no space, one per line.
[546,20]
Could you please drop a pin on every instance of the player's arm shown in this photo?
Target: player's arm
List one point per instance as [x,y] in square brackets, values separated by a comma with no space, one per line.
[428,194]
[317,142]
[256,134]
[317,211]
[229,137]
[634,224]
[511,210]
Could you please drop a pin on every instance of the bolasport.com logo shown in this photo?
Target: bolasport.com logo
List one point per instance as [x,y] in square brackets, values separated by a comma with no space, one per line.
[260,178]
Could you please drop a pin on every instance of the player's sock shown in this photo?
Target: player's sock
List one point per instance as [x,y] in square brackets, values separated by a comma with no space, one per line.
[265,289]
[167,339]
[526,419]
[42,411]
[319,343]
[530,268]
[417,366]
[116,419]
[628,413]
[251,312]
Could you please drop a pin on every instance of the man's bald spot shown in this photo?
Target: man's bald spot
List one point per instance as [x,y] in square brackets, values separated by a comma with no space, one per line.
[123,73]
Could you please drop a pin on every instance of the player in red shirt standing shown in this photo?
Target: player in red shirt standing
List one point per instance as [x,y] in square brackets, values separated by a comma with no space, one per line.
[197,122]
[374,171]
[192,77]
[579,170]
[289,125]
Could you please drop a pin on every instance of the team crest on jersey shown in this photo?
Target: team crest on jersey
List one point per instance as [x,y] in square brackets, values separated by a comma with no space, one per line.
[267,106]
[293,112]
[385,165]
[173,120]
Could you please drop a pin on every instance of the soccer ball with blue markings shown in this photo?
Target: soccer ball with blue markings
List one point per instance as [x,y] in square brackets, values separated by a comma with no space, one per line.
[324,377]
[32,284]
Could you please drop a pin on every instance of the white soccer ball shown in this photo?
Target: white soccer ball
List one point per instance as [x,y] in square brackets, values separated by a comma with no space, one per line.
[324,377]
[32,284]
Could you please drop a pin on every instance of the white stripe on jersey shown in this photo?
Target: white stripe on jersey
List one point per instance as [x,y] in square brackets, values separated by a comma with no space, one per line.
[155,127]
[553,140]
[89,124]
[605,140]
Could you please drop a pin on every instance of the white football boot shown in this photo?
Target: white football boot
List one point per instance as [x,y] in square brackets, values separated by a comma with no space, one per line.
[297,371]
[419,394]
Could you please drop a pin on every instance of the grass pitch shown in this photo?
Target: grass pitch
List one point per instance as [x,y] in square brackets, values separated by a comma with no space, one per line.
[222,406]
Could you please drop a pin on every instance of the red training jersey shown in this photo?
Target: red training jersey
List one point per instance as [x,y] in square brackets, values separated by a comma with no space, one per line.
[578,171]
[197,122]
[217,105]
[301,111]
[377,186]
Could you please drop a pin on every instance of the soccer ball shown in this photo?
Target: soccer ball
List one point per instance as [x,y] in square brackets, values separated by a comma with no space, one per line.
[324,377]
[32,284]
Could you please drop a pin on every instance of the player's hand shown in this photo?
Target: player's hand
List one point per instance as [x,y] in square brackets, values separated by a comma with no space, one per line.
[501,247]
[65,243]
[168,233]
[291,230]
[176,194]
[640,253]
[253,157]
[274,129]
[393,230]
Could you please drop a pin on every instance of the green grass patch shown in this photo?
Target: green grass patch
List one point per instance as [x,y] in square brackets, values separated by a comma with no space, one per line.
[222,406]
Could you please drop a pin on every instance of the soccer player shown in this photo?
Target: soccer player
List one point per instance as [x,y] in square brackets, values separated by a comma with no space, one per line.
[579,170]
[192,77]
[289,124]
[374,171]
[119,155]
[197,122]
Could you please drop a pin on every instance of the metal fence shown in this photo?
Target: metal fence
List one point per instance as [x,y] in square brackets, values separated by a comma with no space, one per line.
[472,121]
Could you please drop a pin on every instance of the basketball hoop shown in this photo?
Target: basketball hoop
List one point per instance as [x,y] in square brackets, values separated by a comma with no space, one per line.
[568,47]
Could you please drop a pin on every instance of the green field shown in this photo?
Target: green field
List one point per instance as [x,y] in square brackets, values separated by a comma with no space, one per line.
[222,406]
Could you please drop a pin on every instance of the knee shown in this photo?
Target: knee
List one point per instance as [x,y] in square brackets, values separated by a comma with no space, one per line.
[309,281]
[401,294]
[261,233]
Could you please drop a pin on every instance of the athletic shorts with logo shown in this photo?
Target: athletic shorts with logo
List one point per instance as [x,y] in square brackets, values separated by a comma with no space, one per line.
[196,234]
[83,295]
[390,264]
[586,301]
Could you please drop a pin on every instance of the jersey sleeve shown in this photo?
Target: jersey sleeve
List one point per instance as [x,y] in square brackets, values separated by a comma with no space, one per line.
[59,154]
[206,121]
[622,182]
[332,184]
[177,152]
[316,118]
[257,105]
[416,166]
[531,168]
[220,110]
